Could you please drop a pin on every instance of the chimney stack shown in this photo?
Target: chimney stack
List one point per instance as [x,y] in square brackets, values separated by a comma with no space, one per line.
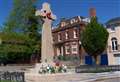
[92,12]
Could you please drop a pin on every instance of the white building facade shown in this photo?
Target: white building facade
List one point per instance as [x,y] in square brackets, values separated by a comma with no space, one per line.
[113,49]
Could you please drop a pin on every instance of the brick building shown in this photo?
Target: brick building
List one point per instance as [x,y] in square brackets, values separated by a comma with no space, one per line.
[67,36]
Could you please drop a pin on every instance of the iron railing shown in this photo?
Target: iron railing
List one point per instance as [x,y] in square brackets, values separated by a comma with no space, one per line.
[12,77]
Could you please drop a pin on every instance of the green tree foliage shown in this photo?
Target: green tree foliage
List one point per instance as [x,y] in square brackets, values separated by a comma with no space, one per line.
[22,19]
[22,26]
[94,39]
[18,19]
[14,47]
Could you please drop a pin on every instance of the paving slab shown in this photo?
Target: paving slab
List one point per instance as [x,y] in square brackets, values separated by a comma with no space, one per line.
[71,77]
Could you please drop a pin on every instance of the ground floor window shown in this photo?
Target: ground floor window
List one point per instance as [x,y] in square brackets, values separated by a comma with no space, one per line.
[117,58]
[67,49]
[74,49]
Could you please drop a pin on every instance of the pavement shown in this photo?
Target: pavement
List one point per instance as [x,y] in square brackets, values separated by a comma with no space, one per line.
[109,80]
[64,77]
[73,77]
[15,68]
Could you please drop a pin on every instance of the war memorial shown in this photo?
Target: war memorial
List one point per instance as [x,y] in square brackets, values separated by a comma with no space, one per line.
[50,70]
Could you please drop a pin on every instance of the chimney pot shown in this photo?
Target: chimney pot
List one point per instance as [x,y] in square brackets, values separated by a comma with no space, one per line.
[92,12]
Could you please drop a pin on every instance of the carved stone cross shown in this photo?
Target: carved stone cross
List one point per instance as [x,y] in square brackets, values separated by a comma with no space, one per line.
[47,40]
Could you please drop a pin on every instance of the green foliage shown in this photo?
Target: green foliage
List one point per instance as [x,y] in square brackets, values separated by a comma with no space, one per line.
[7,81]
[21,32]
[52,69]
[18,19]
[14,48]
[22,19]
[60,69]
[12,36]
[15,42]
[60,57]
[67,58]
[94,38]
[3,58]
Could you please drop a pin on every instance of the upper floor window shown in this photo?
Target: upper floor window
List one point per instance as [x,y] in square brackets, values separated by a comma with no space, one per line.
[66,35]
[72,21]
[59,37]
[114,44]
[75,33]
[63,24]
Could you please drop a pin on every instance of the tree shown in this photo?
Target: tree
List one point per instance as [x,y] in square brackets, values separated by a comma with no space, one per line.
[18,20]
[22,20]
[94,39]
[14,47]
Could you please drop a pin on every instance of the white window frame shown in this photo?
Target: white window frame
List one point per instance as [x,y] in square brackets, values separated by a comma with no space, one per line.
[75,33]
[74,46]
[114,44]
[66,35]
[63,24]
[66,49]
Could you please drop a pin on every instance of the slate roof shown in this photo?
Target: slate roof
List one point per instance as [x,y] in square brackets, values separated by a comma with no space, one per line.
[113,22]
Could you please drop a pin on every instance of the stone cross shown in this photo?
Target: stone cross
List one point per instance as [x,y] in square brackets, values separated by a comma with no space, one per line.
[47,40]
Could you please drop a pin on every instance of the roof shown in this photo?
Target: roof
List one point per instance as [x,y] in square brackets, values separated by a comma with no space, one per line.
[78,20]
[114,21]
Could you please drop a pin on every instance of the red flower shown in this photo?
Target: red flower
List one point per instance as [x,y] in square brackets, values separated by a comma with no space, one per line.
[57,64]
[49,16]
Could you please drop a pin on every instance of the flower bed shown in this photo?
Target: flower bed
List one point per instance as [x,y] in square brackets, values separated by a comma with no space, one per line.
[57,68]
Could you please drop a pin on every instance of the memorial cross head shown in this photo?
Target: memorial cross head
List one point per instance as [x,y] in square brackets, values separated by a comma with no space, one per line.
[45,12]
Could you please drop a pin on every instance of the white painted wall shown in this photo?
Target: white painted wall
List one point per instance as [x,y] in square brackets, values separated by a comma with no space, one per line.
[112,60]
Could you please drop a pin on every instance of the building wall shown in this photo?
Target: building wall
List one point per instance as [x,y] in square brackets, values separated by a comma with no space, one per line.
[69,35]
[111,53]
[70,41]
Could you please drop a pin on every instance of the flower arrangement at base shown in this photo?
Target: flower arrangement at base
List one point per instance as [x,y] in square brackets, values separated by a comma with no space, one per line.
[49,69]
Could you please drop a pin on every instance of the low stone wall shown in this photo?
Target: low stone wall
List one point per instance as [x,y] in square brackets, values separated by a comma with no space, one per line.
[89,69]
[12,76]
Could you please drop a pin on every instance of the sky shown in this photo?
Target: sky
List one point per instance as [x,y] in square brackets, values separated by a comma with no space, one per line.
[106,9]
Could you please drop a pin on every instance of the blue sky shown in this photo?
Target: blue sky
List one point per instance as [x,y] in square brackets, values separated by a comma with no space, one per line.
[106,9]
